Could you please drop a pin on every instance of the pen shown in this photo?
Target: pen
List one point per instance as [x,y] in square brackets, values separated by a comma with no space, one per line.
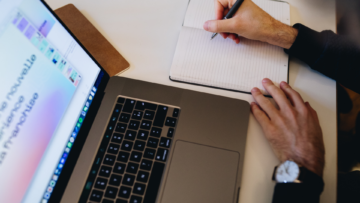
[232,11]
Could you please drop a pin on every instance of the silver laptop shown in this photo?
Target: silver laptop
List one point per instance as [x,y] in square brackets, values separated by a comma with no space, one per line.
[70,133]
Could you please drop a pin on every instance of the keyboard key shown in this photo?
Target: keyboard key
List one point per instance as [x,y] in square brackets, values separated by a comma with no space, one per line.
[96,196]
[119,168]
[149,115]
[146,165]
[160,116]
[123,157]
[170,132]
[165,142]
[124,192]
[139,145]
[137,115]
[121,100]
[110,127]
[156,132]
[145,125]
[129,105]
[117,109]
[109,159]
[124,117]
[149,153]
[176,113]
[135,156]
[142,176]
[152,142]
[117,138]
[113,118]
[113,148]
[111,192]
[130,135]
[121,201]
[127,145]
[135,199]
[143,135]
[170,122]
[139,188]
[120,127]
[132,168]
[107,201]
[128,180]
[161,154]
[115,180]
[134,125]
[154,182]
[100,183]
[140,105]
[105,171]
[150,106]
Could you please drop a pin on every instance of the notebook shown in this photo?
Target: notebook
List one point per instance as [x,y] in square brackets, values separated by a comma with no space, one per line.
[221,63]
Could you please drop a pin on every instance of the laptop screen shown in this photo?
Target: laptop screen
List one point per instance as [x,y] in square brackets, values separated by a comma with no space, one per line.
[47,85]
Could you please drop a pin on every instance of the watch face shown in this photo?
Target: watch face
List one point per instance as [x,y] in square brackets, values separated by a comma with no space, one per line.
[287,172]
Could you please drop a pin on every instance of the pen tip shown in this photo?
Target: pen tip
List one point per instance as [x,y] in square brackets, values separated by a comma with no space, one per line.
[213,36]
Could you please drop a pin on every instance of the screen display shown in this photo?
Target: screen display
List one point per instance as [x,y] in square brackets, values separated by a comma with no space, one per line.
[47,85]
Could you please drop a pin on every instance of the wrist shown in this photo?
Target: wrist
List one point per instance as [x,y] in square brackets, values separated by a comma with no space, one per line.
[281,35]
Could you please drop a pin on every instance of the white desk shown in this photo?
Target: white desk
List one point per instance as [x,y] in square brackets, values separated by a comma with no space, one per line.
[145,32]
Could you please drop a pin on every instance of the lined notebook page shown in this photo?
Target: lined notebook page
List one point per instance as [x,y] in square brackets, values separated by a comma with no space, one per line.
[222,63]
[200,11]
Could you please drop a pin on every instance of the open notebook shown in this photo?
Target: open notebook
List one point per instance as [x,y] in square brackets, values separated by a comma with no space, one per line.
[223,63]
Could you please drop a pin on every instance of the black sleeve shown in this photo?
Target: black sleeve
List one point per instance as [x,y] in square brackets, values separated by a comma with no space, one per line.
[307,192]
[332,55]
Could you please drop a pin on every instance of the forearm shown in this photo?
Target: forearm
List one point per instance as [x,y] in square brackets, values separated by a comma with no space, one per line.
[281,35]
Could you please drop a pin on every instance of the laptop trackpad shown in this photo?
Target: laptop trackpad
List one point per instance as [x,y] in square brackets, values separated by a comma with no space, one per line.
[200,173]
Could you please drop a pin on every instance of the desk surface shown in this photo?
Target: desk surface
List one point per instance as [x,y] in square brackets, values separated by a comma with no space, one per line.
[148,41]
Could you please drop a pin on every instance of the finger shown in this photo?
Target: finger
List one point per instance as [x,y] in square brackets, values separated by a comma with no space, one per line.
[292,95]
[225,35]
[219,26]
[312,111]
[232,36]
[235,37]
[259,115]
[264,103]
[219,10]
[278,95]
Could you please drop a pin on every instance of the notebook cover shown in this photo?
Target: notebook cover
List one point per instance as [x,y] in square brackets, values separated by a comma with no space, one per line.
[101,49]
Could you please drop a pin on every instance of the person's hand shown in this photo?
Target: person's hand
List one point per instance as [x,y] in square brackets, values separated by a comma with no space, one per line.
[293,130]
[250,22]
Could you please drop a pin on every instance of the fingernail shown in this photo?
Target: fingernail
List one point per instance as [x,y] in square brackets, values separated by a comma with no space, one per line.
[265,80]
[255,89]
[284,84]
[252,104]
[206,25]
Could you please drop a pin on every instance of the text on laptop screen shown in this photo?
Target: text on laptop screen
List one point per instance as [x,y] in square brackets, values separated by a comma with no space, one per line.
[47,85]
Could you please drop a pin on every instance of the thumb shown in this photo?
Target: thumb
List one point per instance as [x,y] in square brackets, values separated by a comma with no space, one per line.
[218,26]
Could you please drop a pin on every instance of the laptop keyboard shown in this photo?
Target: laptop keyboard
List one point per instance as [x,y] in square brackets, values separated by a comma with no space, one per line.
[131,159]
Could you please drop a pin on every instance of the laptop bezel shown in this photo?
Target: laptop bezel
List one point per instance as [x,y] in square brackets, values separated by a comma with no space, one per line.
[69,165]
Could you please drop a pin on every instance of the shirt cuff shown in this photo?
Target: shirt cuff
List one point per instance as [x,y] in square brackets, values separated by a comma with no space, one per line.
[308,45]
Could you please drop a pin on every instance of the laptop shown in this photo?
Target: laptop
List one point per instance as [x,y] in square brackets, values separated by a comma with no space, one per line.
[70,133]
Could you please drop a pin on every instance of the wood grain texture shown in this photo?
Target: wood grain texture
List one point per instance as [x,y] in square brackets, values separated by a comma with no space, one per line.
[98,46]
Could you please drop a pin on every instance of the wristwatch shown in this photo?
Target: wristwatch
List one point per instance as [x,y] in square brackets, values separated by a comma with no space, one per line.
[291,172]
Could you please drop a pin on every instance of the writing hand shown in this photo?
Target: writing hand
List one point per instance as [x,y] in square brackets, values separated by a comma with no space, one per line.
[250,22]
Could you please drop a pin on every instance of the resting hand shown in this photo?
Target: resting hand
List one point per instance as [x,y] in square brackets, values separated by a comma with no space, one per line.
[250,22]
[293,130]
